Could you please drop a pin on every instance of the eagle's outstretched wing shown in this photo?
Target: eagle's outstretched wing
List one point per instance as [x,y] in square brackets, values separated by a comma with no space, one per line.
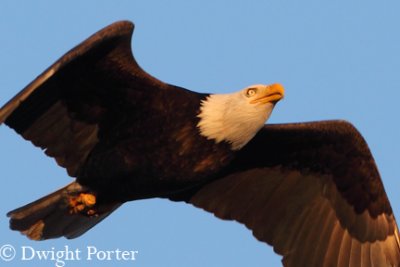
[73,103]
[312,191]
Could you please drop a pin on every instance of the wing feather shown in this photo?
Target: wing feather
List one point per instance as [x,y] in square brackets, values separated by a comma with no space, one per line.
[325,234]
[366,255]
[345,250]
[317,234]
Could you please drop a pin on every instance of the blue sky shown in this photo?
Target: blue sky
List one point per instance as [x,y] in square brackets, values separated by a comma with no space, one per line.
[336,59]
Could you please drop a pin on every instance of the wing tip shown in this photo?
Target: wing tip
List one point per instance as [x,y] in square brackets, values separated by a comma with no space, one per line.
[118,28]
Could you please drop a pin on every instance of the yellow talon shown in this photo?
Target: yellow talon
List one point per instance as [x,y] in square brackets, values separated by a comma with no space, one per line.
[82,203]
[88,199]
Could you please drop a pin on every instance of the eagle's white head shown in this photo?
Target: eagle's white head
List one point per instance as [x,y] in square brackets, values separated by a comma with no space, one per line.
[237,117]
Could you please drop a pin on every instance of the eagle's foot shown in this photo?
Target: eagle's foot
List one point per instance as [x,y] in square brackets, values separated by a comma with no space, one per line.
[82,204]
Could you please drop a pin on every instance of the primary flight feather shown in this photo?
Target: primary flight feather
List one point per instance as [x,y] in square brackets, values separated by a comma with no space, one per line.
[311,190]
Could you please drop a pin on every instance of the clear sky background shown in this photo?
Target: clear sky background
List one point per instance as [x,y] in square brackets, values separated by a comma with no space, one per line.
[336,59]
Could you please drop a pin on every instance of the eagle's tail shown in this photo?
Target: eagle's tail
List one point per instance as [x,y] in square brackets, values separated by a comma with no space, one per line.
[69,212]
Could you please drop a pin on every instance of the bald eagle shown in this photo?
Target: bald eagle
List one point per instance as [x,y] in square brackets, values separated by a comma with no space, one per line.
[311,190]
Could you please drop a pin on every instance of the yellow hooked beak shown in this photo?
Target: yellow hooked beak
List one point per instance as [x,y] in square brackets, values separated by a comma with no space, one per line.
[270,94]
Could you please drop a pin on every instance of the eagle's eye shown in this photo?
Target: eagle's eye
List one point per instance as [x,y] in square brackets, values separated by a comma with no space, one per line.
[251,92]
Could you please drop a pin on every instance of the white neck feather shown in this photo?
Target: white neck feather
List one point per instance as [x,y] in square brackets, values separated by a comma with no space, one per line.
[230,118]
